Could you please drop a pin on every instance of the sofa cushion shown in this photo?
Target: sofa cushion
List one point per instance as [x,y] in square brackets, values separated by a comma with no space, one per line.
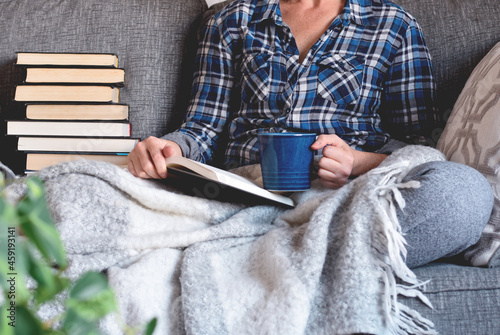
[472,137]
[465,299]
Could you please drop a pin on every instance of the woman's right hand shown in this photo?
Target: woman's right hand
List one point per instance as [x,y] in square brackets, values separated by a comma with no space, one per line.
[147,159]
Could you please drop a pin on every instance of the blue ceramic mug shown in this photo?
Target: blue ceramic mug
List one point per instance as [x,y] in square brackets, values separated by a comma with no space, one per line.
[286,160]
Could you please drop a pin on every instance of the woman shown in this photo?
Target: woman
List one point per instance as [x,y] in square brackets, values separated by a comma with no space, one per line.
[355,72]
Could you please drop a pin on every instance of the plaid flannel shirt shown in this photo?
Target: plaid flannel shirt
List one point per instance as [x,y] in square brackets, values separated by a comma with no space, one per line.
[367,79]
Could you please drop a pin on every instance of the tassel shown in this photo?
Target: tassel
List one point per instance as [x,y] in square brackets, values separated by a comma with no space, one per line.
[401,319]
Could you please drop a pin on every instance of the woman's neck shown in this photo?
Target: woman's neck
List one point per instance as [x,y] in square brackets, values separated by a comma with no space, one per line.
[309,19]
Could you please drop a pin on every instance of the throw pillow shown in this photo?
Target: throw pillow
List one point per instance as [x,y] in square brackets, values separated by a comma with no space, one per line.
[472,137]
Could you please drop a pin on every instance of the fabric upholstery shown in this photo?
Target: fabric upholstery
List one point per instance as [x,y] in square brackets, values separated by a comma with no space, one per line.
[465,299]
[472,137]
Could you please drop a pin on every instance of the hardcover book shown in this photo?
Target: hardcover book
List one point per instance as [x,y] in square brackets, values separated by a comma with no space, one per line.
[206,181]
[37,161]
[76,144]
[76,93]
[80,111]
[75,75]
[71,128]
[66,59]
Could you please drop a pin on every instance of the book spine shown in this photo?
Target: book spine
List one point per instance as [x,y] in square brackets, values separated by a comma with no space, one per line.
[67,93]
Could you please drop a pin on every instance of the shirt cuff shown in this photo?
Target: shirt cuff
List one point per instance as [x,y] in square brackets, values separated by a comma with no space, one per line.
[189,146]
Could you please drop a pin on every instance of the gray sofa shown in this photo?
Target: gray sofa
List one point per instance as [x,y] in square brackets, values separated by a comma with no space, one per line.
[155,41]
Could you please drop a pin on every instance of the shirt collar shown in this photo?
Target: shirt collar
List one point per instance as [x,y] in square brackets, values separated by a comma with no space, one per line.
[265,10]
[358,11]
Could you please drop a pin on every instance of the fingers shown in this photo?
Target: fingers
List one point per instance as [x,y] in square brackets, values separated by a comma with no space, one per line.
[336,165]
[169,150]
[158,168]
[324,140]
[147,160]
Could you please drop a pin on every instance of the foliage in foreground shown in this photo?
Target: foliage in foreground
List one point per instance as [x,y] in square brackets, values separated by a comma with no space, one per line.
[31,251]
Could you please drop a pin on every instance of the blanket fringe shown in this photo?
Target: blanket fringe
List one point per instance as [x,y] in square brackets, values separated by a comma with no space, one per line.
[392,243]
[8,173]
[411,322]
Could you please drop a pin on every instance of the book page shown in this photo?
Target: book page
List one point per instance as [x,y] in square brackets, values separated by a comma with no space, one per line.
[226,178]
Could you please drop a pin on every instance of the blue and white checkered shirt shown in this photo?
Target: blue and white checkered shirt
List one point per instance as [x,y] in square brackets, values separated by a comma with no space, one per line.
[367,76]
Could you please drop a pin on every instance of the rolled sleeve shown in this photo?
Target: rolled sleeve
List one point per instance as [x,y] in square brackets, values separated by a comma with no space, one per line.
[209,107]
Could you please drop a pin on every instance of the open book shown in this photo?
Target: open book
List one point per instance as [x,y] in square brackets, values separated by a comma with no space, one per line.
[209,182]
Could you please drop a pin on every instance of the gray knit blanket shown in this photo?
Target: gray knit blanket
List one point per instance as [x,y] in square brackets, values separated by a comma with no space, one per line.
[332,265]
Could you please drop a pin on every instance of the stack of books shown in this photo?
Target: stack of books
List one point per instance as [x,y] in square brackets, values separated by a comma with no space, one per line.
[72,109]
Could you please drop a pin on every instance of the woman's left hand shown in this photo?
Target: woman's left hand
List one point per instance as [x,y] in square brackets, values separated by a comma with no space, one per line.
[337,163]
[340,161]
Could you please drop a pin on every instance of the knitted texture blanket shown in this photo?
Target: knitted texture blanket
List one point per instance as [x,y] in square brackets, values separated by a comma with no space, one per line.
[332,265]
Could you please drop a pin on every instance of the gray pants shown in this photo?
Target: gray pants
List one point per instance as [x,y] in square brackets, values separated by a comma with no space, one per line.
[446,214]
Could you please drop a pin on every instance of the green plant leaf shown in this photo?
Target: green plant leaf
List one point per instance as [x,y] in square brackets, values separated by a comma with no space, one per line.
[74,324]
[37,250]
[94,309]
[5,319]
[21,269]
[37,224]
[88,286]
[50,282]
[27,322]
[8,217]
[8,222]
[91,297]
[150,328]
[9,249]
